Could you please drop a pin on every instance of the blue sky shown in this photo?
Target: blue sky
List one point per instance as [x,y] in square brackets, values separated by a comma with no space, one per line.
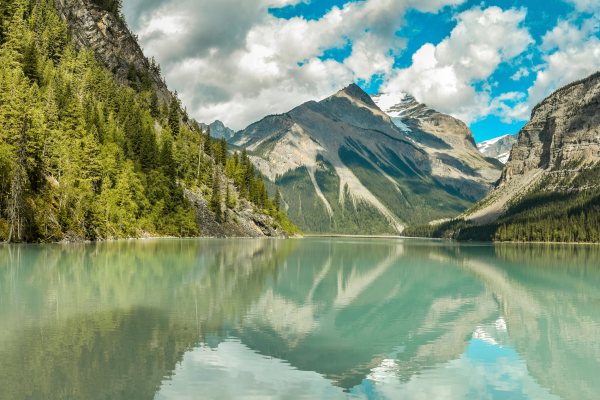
[486,62]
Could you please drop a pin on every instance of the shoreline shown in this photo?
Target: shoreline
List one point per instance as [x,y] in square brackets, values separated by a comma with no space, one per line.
[303,236]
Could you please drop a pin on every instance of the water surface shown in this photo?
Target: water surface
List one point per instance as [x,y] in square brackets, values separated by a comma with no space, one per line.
[312,318]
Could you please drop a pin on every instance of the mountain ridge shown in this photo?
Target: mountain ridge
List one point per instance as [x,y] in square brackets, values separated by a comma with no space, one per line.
[345,150]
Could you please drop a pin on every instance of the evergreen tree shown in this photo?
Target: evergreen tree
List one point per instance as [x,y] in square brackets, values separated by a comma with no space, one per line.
[277,200]
[166,157]
[174,122]
[154,107]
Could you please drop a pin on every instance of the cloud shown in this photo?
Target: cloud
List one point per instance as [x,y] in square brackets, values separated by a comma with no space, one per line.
[585,5]
[521,73]
[571,53]
[234,61]
[444,75]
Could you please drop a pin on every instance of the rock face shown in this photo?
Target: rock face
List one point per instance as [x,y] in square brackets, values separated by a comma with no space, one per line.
[343,165]
[498,148]
[558,144]
[108,36]
[218,130]
[445,139]
[242,221]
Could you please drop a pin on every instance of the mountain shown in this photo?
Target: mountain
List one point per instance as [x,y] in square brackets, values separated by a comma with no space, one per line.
[93,145]
[549,188]
[498,148]
[343,165]
[218,130]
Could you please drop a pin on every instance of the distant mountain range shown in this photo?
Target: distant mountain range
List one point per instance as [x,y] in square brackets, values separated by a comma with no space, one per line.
[498,148]
[218,130]
[356,164]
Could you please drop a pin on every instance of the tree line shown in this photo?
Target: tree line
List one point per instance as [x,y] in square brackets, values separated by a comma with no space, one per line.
[563,214]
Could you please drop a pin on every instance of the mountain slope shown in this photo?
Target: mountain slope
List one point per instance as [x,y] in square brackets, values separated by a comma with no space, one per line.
[96,25]
[549,189]
[94,146]
[218,130]
[343,166]
[498,148]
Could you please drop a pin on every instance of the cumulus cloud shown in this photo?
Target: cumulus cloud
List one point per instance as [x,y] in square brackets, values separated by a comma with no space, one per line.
[235,61]
[585,5]
[444,75]
[571,53]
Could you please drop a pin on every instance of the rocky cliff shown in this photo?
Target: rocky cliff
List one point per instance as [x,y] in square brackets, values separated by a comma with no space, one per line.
[555,151]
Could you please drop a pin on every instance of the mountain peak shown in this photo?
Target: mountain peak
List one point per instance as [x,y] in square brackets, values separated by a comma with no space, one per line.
[355,92]
[219,130]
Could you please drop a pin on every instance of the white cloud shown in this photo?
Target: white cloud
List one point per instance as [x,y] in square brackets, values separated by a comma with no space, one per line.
[510,107]
[234,61]
[572,53]
[585,5]
[443,76]
[521,73]
[369,57]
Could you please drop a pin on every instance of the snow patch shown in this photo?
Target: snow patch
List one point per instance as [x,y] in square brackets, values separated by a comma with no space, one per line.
[387,101]
[403,127]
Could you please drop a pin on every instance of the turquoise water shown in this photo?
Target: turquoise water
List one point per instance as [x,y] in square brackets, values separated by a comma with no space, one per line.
[301,318]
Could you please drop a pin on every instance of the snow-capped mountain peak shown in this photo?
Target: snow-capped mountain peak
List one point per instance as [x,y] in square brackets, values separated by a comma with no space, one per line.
[498,148]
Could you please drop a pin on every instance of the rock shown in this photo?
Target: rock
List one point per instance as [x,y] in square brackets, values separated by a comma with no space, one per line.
[243,221]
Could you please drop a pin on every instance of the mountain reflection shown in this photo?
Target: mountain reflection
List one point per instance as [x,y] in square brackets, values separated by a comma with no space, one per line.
[371,318]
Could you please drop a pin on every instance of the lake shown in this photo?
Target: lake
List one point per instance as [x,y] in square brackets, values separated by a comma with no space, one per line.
[300,318]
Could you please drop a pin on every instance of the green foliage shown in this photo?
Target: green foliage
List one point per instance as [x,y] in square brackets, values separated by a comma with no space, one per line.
[77,151]
[174,122]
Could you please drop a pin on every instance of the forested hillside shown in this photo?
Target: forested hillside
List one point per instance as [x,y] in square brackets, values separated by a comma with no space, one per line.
[84,157]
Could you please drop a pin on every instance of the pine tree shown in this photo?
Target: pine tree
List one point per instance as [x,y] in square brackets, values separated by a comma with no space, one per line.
[223,151]
[277,200]
[174,122]
[166,158]
[207,141]
[154,107]
[16,209]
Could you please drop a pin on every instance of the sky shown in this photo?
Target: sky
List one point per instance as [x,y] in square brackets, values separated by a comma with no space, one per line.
[487,63]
